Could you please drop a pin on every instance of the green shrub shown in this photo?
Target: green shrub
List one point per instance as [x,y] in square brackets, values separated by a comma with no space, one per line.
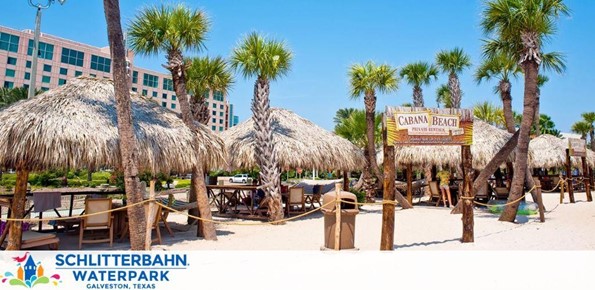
[183,183]
[360,194]
[101,175]
[9,176]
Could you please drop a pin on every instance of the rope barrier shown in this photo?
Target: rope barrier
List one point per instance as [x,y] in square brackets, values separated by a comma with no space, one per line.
[508,203]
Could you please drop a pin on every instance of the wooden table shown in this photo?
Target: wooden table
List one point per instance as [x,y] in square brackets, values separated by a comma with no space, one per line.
[228,197]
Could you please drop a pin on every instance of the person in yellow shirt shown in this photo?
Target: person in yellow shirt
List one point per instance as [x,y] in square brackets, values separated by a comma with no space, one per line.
[444,176]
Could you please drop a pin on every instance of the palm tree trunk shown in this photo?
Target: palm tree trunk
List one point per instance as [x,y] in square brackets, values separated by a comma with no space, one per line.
[536,117]
[455,90]
[199,108]
[530,68]
[17,211]
[175,64]
[505,88]
[592,136]
[370,104]
[265,149]
[418,97]
[128,146]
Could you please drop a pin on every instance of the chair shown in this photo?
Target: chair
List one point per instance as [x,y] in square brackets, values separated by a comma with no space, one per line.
[96,222]
[484,194]
[435,192]
[296,198]
[501,192]
[158,217]
[314,197]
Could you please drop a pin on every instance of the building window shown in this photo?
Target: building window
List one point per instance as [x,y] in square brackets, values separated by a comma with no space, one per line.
[8,84]
[93,75]
[220,121]
[220,128]
[9,42]
[214,113]
[46,50]
[43,89]
[28,64]
[214,106]
[164,96]
[154,94]
[61,82]
[11,61]
[46,79]
[173,106]
[164,104]
[134,89]
[173,97]
[27,76]
[71,56]
[150,80]
[221,107]
[168,84]
[63,71]
[78,73]
[134,77]
[101,63]
[213,128]
[218,96]
[47,68]
[10,72]
[220,114]
[144,93]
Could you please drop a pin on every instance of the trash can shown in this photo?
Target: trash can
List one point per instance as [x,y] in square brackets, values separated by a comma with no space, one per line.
[348,212]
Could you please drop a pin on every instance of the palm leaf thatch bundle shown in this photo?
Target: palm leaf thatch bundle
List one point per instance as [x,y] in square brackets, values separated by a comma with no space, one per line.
[298,143]
[487,141]
[548,151]
[75,126]
[590,158]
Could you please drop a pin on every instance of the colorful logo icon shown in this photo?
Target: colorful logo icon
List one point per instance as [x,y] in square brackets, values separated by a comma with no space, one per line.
[28,273]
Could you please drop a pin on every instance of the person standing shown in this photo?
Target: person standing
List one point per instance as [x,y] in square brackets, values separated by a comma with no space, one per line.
[444,176]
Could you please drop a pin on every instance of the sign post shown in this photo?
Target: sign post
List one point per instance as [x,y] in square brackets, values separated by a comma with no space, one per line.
[578,148]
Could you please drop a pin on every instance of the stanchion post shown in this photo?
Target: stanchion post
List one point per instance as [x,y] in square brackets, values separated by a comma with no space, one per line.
[586,179]
[337,216]
[387,236]
[150,215]
[540,201]
[467,195]
[569,176]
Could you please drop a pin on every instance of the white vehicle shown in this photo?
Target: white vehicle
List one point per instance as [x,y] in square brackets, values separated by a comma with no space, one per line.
[240,178]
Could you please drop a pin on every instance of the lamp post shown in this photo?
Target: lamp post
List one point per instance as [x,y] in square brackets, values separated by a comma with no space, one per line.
[35,52]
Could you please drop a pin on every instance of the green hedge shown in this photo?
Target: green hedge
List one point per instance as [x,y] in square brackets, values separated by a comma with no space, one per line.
[183,183]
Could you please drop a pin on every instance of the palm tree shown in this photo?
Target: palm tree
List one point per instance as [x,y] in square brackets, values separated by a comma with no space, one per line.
[205,76]
[173,30]
[10,96]
[489,113]
[267,60]
[366,79]
[137,224]
[518,28]
[546,126]
[589,118]
[443,96]
[581,127]
[418,74]
[502,68]
[342,114]
[353,127]
[453,62]
[541,80]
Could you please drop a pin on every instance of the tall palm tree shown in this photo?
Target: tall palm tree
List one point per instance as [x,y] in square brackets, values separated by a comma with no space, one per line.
[518,28]
[173,30]
[581,127]
[453,62]
[443,96]
[589,118]
[267,60]
[206,75]
[353,128]
[137,224]
[10,96]
[342,114]
[501,67]
[541,80]
[489,113]
[418,74]
[366,79]
[546,126]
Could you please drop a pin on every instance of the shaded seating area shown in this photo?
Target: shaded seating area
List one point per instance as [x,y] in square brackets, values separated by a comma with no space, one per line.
[100,220]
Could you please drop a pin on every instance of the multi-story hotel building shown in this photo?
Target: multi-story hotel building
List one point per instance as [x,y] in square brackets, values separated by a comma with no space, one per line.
[60,59]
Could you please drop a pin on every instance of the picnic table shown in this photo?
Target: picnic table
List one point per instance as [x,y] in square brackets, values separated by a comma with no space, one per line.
[236,200]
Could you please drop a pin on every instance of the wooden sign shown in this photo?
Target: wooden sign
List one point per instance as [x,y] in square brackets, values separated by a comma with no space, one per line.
[429,126]
[578,147]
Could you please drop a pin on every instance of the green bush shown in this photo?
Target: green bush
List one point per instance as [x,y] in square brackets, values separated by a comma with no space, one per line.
[360,194]
[101,175]
[9,176]
[183,183]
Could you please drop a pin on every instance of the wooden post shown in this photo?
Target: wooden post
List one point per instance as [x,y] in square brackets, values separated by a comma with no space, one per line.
[409,183]
[539,201]
[15,233]
[467,196]
[562,189]
[345,180]
[586,179]
[150,215]
[569,176]
[387,235]
[337,216]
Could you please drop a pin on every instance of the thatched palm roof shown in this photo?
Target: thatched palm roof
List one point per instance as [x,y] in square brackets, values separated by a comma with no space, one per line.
[548,151]
[299,143]
[75,125]
[487,141]
[591,158]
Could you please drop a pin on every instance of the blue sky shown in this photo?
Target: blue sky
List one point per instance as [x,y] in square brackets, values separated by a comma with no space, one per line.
[327,37]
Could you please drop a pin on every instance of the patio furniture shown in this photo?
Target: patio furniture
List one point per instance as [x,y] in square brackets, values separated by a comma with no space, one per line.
[435,192]
[314,197]
[156,219]
[484,194]
[32,239]
[97,222]
[501,192]
[297,199]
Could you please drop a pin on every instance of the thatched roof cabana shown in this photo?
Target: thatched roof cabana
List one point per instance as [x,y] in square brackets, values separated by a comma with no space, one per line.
[487,141]
[548,151]
[299,143]
[591,158]
[75,126]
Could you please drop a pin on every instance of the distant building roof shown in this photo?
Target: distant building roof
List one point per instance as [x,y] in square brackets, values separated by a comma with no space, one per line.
[570,135]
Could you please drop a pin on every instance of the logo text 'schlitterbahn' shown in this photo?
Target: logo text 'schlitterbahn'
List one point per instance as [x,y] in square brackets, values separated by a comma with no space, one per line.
[28,273]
